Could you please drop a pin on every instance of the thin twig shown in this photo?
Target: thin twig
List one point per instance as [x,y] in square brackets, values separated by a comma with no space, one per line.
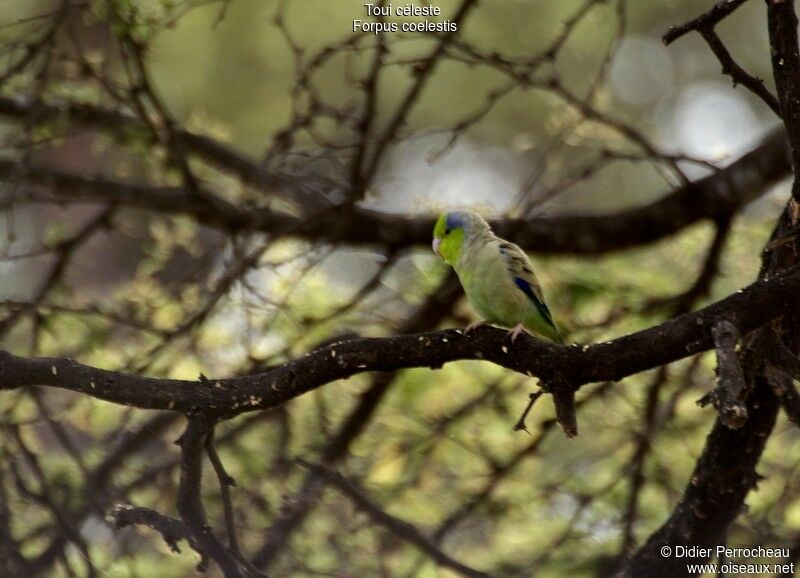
[721,10]
[401,528]
[520,425]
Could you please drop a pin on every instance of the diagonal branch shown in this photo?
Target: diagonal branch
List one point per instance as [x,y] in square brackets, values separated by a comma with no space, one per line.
[423,73]
[705,25]
[297,506]
[670,341]
[785,391]
[721,10]
[783,367]
[226,482]
[171,530]
[737,73]
[400,528]
[726,470]
[722,478]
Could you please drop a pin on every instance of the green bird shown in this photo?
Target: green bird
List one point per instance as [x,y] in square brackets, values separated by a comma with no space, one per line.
[496,275]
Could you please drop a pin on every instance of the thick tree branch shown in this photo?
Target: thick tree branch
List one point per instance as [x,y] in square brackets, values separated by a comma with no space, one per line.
[574,365]
[728,395]
[722,477]
[297,506]
[782,23]
[190,504]
[284,203]
[726,471]
[564,400]
[721,193]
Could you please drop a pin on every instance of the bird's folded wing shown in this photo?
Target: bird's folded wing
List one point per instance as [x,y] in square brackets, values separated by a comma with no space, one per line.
[521,271]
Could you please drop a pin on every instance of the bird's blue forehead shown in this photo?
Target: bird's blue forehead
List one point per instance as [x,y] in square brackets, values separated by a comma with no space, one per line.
[456,220]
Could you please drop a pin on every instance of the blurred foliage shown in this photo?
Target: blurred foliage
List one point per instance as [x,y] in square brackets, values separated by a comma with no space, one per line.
[226,69]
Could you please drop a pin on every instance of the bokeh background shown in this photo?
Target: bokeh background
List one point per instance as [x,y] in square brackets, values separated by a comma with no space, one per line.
[166,296]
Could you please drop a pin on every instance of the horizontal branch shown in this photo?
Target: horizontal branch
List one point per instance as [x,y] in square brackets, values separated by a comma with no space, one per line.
[566,367]
[721,193]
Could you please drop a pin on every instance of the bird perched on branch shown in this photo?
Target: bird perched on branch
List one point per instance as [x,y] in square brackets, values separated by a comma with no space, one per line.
[496,275]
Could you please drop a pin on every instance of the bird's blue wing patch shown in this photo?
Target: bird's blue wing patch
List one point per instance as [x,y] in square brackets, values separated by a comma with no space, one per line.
[526,288]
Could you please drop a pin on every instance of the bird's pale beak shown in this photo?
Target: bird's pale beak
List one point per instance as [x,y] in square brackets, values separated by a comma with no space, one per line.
[435,245]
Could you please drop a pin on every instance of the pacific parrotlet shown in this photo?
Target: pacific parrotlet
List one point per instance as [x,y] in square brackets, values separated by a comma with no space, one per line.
[496,275]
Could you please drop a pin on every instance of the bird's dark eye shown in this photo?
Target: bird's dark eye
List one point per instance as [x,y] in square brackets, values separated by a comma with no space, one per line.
[447,231]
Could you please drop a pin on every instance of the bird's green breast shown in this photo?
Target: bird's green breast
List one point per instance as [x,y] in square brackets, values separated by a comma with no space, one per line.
[493,294]
[451,246]
[489,287]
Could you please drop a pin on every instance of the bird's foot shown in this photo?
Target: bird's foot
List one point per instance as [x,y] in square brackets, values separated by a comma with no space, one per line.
[473,326]
[514,333]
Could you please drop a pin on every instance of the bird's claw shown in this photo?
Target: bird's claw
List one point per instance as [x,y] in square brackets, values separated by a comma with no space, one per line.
[473,326]
[514,333]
